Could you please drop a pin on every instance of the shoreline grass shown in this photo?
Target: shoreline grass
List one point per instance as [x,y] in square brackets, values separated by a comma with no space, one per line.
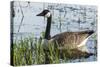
[29,51]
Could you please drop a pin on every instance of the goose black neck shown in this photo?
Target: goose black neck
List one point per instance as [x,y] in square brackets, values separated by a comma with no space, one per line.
[48,27]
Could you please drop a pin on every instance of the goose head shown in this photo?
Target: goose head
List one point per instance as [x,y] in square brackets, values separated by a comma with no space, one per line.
[45,13]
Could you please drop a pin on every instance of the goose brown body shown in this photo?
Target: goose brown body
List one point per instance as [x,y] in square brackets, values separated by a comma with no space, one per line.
[70,40]
[74,41]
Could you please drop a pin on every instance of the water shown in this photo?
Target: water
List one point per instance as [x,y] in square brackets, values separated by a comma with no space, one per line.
[65,18]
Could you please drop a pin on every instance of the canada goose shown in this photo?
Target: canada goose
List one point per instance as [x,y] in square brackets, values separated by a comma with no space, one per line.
[74,41]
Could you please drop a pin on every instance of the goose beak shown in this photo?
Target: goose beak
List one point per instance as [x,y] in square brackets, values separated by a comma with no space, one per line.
[40,14]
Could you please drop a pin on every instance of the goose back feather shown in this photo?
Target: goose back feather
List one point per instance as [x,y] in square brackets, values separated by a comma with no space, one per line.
[70,40]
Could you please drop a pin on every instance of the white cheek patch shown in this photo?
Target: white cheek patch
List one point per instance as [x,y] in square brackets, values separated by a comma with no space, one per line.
[48,14]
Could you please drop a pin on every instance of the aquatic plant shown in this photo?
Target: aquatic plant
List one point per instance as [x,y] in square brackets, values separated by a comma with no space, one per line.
[28,51]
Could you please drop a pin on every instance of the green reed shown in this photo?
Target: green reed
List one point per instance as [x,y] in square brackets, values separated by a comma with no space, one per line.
[30,51]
